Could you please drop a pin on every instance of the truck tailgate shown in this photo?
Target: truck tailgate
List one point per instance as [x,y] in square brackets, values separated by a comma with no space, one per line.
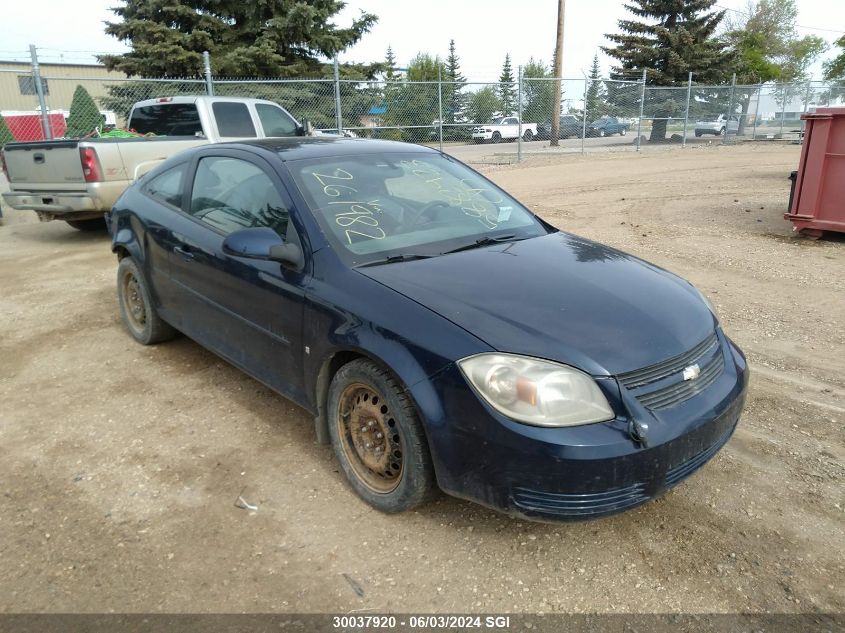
[48,165]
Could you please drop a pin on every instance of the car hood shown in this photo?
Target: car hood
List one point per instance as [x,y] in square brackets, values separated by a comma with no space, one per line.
[559,297]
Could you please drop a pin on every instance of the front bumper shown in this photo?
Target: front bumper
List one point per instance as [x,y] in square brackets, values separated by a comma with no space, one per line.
[578,472]
[482,136]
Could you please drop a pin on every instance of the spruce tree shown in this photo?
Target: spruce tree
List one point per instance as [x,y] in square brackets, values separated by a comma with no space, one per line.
[454,99]
[506,89]
[671,39]
[596,105]
[271,38]
[5,133]
[84,114]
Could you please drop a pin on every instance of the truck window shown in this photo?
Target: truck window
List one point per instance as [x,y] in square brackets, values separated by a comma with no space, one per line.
[275,121]
[233,120]
[167,119]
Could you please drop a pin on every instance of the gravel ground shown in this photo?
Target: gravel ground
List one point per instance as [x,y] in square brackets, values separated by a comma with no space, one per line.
[120,464]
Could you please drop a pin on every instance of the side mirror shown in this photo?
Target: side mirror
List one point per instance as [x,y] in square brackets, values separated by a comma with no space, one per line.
[263,243]
[307,128]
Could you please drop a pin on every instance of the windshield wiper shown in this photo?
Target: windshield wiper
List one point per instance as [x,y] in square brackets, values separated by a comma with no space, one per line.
[392,259]
[484,241]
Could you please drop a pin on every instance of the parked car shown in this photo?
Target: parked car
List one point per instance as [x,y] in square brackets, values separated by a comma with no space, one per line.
[607,126]
[78,180]
[505,128]
[570,126]
[717,125]
[440,333]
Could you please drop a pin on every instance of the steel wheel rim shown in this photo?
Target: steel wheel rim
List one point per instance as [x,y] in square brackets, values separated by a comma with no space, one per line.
[133,302]
[370,438]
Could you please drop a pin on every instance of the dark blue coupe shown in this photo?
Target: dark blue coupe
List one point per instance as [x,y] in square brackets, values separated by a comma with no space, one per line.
[440,333]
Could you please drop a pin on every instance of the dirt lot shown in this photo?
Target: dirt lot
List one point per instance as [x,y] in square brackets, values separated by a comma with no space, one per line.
[120,464]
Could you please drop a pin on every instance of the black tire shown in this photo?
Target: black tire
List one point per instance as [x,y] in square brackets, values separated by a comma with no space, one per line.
[403,476]
[496,138]
[96,224]
[698,135]
[722,131]
[528,136]
[136,307]
[623,132]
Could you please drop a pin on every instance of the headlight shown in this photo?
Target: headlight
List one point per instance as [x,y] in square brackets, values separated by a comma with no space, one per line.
[536,391]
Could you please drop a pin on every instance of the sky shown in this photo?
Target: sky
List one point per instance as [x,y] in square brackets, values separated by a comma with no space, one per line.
[483,30]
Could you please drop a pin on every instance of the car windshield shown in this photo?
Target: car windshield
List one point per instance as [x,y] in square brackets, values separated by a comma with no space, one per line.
[374,206]
[496,121]
[601,121]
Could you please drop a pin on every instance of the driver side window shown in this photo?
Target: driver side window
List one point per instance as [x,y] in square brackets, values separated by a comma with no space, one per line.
[230,194]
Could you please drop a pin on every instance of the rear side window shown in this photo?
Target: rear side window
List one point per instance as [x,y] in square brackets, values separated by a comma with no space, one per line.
[275,121]
[167,119]
[233,120]
[168,186]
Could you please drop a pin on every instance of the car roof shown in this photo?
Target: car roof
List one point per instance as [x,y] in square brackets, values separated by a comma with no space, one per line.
[303,147]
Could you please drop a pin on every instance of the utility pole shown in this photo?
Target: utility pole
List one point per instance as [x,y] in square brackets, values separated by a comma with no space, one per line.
[554,135]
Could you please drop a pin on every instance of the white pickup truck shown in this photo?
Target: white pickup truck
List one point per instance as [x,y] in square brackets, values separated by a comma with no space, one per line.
[79,180]
[503,128]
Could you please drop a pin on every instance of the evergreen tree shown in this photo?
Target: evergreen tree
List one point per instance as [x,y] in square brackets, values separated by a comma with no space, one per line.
[270,38]
[454,99]
[84,115]
[671,39]
[6,135]
[596,102]
[506,89]
[390,71]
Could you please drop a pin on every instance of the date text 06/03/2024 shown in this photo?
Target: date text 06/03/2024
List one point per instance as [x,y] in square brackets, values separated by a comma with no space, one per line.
[358,622]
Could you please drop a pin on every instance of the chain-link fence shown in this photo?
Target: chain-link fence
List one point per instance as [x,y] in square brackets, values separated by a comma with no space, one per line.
[600,114]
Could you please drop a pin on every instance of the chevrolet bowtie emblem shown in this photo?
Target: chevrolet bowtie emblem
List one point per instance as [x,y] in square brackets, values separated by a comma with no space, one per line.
[692,372]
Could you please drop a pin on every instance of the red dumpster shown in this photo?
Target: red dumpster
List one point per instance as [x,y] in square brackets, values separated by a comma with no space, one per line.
[817,202]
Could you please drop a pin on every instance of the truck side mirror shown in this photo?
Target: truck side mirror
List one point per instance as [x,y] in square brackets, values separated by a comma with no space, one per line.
[306,129]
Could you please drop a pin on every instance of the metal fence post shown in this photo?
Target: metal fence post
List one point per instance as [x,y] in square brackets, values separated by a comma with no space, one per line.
[39,90]
[440,105]
[782,111]
[337,113]
[731,110]
[757,111]
[686,112]
[209,83]
[806,105]
[584,113]
[519,114]
[642,112]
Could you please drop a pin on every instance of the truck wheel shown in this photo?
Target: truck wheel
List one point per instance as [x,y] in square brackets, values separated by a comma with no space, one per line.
[136,306]
[378,439]
[97,224]
[698,135]
[496,138]
[601,133]
[722,132]
[528,136]
[623,132]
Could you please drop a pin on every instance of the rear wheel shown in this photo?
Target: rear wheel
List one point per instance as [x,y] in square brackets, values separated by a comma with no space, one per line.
[722,132]
[96,224]
[527,136]
[378,438]
[698,135]
[601,133]
[136,306]
[623,132]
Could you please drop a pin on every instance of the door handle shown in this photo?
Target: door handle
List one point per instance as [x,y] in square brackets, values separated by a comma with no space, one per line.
[184,252]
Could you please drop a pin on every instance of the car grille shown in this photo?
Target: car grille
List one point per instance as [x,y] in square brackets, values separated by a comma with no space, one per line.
[575,505]
[661,386]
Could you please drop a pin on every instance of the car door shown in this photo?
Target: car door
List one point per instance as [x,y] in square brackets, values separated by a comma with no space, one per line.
[248,311]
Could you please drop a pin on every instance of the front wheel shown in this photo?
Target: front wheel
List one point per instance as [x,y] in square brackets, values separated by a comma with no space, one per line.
[136,306]
[378,438]
[722,132]
[623,132]
[601,133]
[496,138]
